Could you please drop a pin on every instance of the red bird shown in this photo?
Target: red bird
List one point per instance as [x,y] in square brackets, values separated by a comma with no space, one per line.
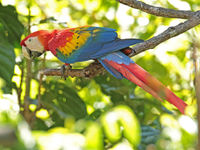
[84,43]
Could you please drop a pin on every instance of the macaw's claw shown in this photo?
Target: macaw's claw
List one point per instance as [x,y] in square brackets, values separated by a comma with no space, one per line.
[63,69]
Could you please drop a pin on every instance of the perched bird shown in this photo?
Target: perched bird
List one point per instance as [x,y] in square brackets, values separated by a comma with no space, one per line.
[84,43]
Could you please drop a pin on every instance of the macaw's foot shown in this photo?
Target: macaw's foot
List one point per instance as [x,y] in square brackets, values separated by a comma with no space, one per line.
[64,68]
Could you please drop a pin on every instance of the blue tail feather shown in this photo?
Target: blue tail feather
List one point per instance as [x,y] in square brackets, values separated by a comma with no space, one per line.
[118,57]
[111,70]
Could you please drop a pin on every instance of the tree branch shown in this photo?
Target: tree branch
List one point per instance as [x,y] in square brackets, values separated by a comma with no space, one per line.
[19,89]
[158,11]
[88,72]
[195,58]
[167,34]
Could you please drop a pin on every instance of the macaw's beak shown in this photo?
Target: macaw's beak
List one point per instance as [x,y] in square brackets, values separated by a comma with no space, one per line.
[30,54]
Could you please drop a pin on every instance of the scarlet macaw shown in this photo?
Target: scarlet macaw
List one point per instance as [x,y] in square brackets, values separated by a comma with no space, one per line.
[84,43]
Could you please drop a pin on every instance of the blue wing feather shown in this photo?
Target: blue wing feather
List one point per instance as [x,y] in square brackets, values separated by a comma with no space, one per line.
[115,45]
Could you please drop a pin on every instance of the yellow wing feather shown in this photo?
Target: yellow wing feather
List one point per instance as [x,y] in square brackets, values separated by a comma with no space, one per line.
[77,40]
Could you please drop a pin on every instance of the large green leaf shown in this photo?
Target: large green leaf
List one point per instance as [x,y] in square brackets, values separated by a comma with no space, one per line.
[10,27]
[63,100]
[7,61]
[117,89]
[121,120]
[10,33]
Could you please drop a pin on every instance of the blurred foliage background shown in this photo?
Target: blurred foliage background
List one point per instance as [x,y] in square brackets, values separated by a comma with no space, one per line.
[102,112]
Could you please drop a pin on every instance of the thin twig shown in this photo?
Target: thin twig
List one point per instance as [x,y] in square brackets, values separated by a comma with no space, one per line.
[19,89]
[158,11]
[39,106]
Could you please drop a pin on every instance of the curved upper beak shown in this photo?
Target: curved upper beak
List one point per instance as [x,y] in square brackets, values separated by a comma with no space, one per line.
[30,54]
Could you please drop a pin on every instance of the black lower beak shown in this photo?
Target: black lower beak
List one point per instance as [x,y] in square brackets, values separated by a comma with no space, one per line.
[29,53]
[35,54]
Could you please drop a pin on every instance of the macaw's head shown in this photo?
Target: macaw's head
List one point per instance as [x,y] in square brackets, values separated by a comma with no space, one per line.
[35,44]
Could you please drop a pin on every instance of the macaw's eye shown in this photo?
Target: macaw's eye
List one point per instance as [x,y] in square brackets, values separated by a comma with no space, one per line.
[29,40]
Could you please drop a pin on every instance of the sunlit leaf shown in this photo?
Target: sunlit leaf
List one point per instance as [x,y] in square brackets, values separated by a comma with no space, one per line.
[94,137]
[111,127]
[180,54]
[121,120]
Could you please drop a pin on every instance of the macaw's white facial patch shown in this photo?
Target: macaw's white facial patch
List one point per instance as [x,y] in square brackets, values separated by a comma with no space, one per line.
[34,44]
[26,52]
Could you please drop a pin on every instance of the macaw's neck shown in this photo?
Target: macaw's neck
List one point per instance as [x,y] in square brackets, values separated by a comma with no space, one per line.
[46,36]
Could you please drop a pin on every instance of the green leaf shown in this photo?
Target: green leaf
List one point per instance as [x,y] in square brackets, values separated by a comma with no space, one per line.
[63,100]
[10,34]
[94,136]
[10,27]
[7,61]
[180,54]
[95,115]
[117,89]
[121,117]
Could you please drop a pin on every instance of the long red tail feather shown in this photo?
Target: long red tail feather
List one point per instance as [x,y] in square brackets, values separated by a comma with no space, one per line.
[142,78]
